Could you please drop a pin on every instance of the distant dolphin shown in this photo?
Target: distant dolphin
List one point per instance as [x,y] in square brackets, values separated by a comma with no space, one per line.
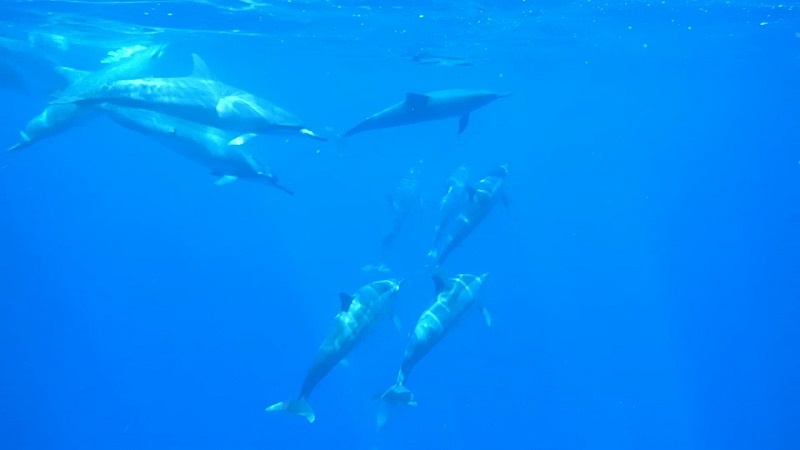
[359,313]
[431,106]
[454,298]
[59,117]
[452,201]
[403,200]
[213,148]
[481,199]
[199,98]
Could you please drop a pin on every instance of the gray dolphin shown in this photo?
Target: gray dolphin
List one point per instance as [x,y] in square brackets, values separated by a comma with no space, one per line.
[431,106]
[481,200]
[359,313]
[454,299]
[208,146]
[59,117]
[199,98]
[404,199]
[452,201]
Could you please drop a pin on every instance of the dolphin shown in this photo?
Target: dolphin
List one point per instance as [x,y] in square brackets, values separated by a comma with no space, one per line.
[431,106]
[199,98]
[59,117]
[405,197]
[452,200]
[359,313]
[481,200]
[454,299]
[27,69]
[208,146]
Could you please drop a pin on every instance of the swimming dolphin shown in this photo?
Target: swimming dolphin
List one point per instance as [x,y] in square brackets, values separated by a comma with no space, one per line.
[454,298]
[431,106]
[59,117]
[27,69]
[403,200]
[199,98]
[481,199]
[213,148]
[359,313]
[452,201]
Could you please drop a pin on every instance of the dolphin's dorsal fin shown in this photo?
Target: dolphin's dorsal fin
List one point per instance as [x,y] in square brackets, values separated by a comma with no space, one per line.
[416,100]
[439,284]
[462,123]
[200,68]
[346,300]
[70,74]
[471,191]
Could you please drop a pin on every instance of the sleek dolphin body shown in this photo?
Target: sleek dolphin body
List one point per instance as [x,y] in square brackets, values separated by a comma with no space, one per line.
[27,69]
[454,299]
[403,200]
[215,149]
[452,200]
[199,98]
[431,106]
[59,117]
[359,313]
[481,200]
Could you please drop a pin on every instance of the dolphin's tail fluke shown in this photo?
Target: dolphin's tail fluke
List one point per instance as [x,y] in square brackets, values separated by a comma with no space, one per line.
[23,142]
[299,407]
[398,394]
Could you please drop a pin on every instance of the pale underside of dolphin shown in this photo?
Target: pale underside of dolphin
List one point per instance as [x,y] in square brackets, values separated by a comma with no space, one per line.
[221,152]
[199,98]
[436,105]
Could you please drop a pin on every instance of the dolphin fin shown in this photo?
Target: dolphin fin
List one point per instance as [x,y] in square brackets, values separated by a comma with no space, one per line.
[415,101]
[397,322]
[243,139]
[200,68]
[225,179]
[462,123]
[346,300]
[299,407]
[312,135]
[439,284]
[398,394]
[505,200]
[471,191]
[70,74]
[486,316]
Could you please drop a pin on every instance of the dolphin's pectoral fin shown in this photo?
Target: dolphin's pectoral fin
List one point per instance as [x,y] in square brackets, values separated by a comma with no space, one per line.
[505,200]
[486,316]
[416,101]
[438,284]
[243,139]
[225,179]
[200,68]
[346,300]
[397,322]
[462,123]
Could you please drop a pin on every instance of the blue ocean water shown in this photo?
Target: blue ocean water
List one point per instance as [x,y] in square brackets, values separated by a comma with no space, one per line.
[643,280]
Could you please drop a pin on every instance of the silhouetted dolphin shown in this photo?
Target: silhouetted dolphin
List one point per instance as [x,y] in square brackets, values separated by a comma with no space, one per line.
[211,147]
[199,98]
[403,200]
[481,199]
[431,106]
[58,117]
[359,313]
[454,298]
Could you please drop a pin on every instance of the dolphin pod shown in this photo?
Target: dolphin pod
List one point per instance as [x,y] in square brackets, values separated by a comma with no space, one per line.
[212,124]
[358,316]
[454,298]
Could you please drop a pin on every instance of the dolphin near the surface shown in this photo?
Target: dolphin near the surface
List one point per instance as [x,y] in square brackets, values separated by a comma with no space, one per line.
[454,299]
[359,313]
[431,106]
[481,200]
[200,98]
[215,149]
[58,117]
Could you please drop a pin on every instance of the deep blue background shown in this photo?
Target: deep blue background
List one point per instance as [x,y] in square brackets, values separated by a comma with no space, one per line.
[644,282]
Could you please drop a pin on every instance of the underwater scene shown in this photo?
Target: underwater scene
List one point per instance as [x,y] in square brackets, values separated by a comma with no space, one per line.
[365,224]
